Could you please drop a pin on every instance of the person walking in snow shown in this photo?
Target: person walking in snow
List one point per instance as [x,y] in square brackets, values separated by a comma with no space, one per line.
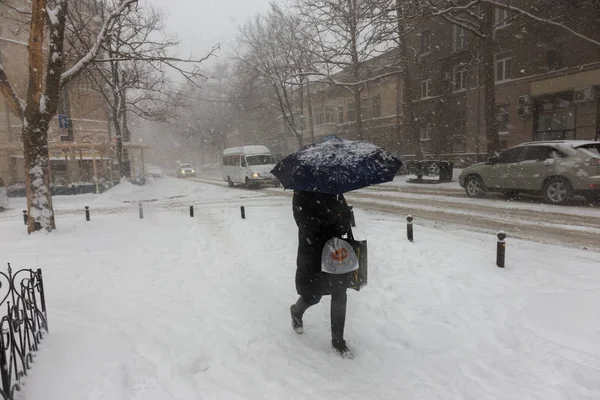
[320,217]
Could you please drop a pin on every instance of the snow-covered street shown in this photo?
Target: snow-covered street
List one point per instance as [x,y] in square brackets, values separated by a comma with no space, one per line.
[446,204]
[173,307]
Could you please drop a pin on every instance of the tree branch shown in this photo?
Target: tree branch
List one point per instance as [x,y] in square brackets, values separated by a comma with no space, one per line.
[543,20]
[76,69]
[16,104]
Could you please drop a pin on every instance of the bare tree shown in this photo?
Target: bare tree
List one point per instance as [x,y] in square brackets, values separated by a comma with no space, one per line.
[131,73]
[346,36]
[406,19]
[272,46]
[48,24]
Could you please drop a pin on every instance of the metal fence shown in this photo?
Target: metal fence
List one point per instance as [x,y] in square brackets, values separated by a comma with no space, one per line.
[21,327]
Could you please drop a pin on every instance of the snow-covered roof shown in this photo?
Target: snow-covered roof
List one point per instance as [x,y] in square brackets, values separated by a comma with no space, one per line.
[256,149]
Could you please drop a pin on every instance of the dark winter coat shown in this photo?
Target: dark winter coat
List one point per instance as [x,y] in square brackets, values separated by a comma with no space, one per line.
[319,217]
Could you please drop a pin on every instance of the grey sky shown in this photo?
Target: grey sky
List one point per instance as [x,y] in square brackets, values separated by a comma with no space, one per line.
[200,24]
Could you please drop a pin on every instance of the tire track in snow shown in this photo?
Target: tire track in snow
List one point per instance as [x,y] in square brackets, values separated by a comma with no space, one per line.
[557,227]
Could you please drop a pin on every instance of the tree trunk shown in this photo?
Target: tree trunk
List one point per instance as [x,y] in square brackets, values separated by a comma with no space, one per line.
[489,80]
[118,137]
[311,125]
[408,120]
[398,131]
[37,176]
[358,127]
[124,166]
[35,130]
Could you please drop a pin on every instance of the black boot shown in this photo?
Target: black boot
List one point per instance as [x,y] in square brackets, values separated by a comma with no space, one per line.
[297,311]
[343,349]
[338,322]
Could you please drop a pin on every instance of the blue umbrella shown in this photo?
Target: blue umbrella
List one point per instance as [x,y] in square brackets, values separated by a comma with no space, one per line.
[336,166]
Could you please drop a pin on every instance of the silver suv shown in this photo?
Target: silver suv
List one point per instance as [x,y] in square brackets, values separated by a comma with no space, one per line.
[556,169]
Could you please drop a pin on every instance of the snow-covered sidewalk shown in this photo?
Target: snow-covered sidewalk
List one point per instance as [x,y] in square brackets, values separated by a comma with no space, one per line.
[171,307]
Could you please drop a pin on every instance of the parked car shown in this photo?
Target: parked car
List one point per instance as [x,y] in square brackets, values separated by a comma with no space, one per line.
[557,169]
[186,171]
[249,165]
[3,195]
[154,172]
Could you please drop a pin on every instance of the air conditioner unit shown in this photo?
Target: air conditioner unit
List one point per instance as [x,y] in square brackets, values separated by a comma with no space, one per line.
[583,94]
[523,111]
[524,100]
[447,76]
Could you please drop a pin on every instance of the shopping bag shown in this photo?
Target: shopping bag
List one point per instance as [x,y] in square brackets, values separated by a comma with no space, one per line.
[338,257]
[358,278]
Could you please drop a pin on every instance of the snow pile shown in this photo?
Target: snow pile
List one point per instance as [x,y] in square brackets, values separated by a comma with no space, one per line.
[173,307]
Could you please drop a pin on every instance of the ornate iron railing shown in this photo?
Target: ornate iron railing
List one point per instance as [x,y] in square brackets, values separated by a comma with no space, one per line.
[22,327]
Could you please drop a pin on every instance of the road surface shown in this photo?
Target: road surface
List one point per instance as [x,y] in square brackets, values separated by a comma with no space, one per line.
[447,207]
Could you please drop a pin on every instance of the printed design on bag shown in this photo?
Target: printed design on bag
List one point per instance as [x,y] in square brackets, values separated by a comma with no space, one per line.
[340,254]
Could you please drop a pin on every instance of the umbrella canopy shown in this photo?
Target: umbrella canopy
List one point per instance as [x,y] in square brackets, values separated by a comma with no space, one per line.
[336,166]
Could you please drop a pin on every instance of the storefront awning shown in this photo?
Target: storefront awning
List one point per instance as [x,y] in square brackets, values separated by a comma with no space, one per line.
[565,83]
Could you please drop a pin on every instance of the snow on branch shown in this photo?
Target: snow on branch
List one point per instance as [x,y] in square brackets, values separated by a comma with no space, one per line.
[332,81]
[93,52]
[541,19]
[16,104]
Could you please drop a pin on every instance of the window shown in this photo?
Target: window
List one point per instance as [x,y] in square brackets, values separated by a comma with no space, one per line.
[459,78]
[340,115]
[323,115]
[244,161]
[459,136]
[426,42]
[459,38]
[426,130]
[364,108]
[503,67]
[236,161]
[511,155]
[375,106]
[554,58]
[502,116]
[541,153]
[351,112]
[265,159]
[426,88]
[501,16]
[329,115]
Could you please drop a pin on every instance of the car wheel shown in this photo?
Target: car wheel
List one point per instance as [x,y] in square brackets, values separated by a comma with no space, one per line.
[557,191]
[229,181]
[474,186]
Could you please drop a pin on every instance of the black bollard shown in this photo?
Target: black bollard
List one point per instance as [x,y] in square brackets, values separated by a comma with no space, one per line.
[192,211]
[243,211]
[141,209]
[25,216]
[352,220]
[409,228]
[501,250]
[87,213]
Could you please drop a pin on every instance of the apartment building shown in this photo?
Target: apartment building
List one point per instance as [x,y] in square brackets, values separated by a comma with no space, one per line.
[547,86]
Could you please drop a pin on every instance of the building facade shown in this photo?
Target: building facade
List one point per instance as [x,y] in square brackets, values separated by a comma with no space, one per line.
[547,86]
[82,114]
